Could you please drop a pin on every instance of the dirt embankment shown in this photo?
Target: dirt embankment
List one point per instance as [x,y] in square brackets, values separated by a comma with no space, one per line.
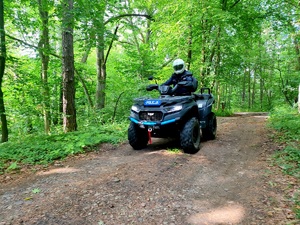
[229,181]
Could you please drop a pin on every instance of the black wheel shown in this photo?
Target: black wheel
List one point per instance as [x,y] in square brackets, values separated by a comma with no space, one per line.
[190,136]
[210,131]
[137,137]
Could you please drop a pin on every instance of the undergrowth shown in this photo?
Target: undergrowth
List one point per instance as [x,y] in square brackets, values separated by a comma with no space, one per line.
[44,149]
[286,122]
[224,113]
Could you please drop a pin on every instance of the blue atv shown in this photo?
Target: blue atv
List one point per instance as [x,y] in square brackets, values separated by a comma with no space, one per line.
[180,117]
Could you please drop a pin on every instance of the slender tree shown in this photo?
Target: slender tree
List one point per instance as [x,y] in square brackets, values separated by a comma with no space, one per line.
[2,68]
[102,57]
[44,48]
[69,110]
[101,64]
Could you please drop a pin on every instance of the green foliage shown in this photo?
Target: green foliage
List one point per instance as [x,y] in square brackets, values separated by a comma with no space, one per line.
[36,191]
[286,121]
[13,166]
[296,199]
[289,160]
[42,149]
[224,113]
[174,151]
[226,49]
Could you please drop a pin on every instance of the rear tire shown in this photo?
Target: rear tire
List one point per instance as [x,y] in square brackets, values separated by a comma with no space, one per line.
[137,137]
[210,131]
[190,136]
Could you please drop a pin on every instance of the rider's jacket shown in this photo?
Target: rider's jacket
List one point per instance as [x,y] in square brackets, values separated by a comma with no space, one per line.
[184,76]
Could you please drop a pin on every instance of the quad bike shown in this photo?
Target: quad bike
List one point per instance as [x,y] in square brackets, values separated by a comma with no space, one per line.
[179,117]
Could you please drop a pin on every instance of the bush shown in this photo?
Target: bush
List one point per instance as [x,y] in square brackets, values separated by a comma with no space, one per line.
[43,149]
[286,121]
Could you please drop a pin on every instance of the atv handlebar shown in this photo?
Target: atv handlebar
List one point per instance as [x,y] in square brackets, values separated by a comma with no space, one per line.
[152,87]
[163,89]
[168,90]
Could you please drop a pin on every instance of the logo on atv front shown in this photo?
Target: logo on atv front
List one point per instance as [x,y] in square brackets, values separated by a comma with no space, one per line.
[152,103]
[150,114]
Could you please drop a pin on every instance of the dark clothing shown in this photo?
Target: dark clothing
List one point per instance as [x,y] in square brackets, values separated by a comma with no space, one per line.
[185,76]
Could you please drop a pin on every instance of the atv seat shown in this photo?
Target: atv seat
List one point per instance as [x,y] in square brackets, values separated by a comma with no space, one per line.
[202,96]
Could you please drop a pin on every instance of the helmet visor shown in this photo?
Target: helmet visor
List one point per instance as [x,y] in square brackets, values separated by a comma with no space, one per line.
[178,67]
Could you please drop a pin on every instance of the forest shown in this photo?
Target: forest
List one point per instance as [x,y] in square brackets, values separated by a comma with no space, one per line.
[70,69]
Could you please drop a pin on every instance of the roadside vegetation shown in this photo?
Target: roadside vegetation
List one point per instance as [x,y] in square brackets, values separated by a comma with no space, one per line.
[43,149]
[286,122]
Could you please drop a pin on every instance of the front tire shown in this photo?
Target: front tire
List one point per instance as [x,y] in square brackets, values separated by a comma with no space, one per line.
[137,137]
[210,131]
[190,136]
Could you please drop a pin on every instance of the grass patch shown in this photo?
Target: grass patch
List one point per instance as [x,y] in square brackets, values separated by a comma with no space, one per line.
[174,150]
[44,149]
[289,160]
[286,122]
[224,113]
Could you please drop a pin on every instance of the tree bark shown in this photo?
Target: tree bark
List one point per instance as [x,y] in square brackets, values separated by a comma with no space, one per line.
[69,110]
[261,92]
[44,47]
[297,48]
[253,89]
[4,129]
[249,89]
[244,88]
[101,74]
[203,54]
[101,65]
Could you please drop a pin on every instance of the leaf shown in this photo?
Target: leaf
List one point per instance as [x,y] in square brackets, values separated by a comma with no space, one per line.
[100,222]
[36,191]
[13,166]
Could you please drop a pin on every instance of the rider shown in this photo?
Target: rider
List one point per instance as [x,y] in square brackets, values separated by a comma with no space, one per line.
[181,74]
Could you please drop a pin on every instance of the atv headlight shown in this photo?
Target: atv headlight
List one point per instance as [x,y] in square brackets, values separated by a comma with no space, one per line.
[200,105]
[174,108]
[135,108]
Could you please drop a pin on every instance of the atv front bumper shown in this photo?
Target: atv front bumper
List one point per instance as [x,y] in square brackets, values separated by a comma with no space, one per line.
[153,123]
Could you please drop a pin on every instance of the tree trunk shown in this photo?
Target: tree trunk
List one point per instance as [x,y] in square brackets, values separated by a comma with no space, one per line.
[101,64]
[297,48]
[249,89]
[253,89]
[69,110]
[101,75]
[229,97]
[261,92]
[218,95]
[4,128]
[244,89]
[203,55]
[85,89]
[44,47]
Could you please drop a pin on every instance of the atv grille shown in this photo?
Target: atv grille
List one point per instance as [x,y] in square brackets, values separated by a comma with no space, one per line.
[151,116]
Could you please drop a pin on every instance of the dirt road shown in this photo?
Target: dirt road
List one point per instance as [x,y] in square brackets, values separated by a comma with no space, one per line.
[228,181]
